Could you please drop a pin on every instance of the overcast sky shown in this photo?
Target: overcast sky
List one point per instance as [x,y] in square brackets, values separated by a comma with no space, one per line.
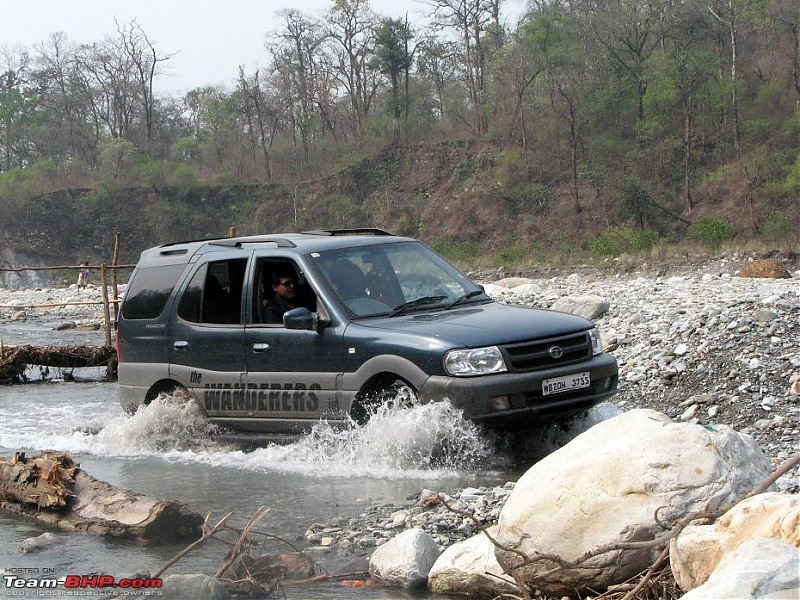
[210,38]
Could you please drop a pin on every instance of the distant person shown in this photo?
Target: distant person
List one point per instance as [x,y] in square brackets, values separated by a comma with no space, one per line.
[284,288]
[83,276]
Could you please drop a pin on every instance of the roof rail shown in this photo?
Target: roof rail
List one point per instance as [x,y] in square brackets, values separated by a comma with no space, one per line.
[351,231]
[280,242]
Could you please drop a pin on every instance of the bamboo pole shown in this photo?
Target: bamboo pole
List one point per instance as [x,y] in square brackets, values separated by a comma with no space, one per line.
[59,304]
[62,268]
[106,308]
[115,283]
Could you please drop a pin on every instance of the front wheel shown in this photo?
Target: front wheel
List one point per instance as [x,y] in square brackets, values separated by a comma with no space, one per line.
[385,395]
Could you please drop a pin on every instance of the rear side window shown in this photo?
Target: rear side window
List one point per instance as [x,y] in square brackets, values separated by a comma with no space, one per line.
[149,290]
[214,294]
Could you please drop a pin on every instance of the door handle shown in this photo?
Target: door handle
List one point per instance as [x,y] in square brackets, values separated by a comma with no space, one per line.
[260,347]
[180,345]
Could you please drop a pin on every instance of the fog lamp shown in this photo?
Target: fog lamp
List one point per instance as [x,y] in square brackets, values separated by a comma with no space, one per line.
[500,402]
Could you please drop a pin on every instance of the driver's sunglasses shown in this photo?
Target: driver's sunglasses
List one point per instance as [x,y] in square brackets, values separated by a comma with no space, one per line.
[287,283]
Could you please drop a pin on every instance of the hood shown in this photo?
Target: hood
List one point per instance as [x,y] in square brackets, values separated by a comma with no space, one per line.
[483,324]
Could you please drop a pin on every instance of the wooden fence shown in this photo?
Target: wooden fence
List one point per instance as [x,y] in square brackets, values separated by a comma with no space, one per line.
[109,303]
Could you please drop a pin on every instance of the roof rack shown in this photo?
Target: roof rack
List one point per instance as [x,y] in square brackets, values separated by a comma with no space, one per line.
[351,231]
[280,242]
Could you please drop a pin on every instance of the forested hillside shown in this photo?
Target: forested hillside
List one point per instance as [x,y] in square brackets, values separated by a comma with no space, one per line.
[588,127]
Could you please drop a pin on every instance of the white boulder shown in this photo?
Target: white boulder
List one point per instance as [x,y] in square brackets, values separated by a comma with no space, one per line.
[697,551]
[759,568]
[405,560]
[588,307]
[626,479]
[40,542]
[470,568]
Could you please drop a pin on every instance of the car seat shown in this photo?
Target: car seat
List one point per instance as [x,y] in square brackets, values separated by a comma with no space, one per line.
[347,279]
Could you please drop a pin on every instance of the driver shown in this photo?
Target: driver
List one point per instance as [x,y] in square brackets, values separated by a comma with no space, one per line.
[284,288]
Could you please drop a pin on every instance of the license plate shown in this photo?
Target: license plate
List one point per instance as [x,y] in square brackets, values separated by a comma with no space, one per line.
[558,385]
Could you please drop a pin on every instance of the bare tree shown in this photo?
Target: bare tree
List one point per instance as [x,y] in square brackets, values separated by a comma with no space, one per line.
[472,21]
[145,63]
[351,28]
[295,60]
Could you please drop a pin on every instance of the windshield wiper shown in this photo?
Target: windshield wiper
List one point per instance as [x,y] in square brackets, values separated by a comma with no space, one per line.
[406,306]
[464,298]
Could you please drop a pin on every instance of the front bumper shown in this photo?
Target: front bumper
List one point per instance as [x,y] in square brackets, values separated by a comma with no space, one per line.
[520,394]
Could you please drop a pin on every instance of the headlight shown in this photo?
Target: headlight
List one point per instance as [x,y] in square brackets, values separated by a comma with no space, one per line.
[597,343]
[476,361]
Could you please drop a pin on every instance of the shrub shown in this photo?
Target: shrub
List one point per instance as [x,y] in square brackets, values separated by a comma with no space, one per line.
[515,254]
[456,250]
[183,175]
[776,227]
[535,197]
[620,240]
[710,232]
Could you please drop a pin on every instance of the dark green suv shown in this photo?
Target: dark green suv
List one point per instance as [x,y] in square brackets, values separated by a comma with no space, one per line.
[362,316]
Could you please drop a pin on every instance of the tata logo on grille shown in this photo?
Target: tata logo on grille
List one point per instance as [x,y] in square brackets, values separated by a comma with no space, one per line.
[556,351]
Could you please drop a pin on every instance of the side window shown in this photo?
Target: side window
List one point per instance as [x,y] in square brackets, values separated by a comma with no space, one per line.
[149,290]
[214,294]
[192,298]
[279,286]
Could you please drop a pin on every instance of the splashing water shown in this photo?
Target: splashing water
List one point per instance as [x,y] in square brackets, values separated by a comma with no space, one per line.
[168,423]
[426,441]
[531,445]
[420,437]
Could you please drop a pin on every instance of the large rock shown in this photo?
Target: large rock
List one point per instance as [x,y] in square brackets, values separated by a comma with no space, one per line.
[197,586]
[405,560]
[470,568]
[623,480]
[588,307]
[760,568]
[697,551]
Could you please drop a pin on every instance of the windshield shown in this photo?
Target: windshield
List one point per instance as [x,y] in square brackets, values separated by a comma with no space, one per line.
[392,279]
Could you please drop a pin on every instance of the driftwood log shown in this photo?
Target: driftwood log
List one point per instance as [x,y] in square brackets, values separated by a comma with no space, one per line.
[53,489]
[14,360]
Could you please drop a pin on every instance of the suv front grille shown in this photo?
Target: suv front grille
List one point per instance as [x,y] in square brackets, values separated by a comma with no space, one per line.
[543,354]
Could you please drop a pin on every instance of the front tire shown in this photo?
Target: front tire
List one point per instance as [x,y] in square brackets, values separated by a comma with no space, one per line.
[387,394]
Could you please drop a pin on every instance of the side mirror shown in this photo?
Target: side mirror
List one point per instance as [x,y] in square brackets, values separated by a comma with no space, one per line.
[300,318]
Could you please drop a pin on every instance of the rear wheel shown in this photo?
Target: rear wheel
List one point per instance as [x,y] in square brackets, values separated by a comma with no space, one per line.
[178,393]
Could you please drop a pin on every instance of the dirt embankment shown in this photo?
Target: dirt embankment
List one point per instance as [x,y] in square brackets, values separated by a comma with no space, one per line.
[479,197]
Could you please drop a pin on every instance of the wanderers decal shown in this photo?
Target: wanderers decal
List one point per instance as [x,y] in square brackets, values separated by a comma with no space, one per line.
[265,397]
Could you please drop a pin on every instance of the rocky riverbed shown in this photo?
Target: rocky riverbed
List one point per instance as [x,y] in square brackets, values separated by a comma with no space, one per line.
[697,342]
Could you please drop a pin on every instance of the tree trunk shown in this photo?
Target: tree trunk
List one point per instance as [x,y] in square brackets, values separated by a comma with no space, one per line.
[51,488]
[14,360]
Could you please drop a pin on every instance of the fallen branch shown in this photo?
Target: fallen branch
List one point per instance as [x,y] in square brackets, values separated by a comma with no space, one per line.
[203,538]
